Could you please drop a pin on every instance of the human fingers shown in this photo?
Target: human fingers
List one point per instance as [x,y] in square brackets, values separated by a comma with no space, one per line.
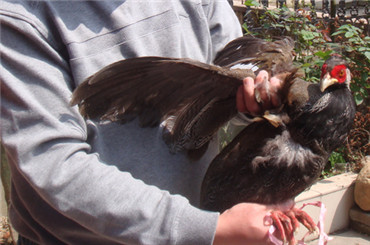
[262,90]
[249,99]
[275,86]
[261,76]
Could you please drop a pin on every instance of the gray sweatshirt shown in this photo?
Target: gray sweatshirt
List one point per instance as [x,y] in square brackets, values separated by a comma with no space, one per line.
[89,182]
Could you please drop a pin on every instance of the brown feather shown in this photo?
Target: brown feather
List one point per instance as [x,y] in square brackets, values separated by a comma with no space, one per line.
[275,57]
[195,98]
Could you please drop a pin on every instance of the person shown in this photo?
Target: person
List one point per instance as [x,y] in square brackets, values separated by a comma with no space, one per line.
[77,181]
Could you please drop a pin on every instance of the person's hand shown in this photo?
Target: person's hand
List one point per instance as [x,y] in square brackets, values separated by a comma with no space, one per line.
[243,224]
[258,95]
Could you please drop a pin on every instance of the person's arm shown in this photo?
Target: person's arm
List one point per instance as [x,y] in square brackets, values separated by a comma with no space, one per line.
[62,187]
[223,24]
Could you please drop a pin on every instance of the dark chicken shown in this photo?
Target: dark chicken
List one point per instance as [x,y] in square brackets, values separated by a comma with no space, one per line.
[271,161]
[271,165]
[314,121]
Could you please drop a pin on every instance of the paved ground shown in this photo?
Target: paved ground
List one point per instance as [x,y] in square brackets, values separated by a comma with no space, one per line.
[346,238]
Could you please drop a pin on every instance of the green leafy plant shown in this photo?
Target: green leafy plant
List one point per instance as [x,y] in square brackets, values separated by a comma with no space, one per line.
[335,165]
[315,42]
[316,39]
[311,39]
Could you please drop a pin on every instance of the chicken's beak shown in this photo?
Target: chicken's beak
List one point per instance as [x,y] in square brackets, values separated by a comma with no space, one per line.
[327,81]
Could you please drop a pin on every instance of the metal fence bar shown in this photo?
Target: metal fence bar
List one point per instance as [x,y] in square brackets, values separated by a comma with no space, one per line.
[341,9]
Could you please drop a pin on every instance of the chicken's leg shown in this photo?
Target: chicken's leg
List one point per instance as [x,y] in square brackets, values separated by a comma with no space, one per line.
[287,222]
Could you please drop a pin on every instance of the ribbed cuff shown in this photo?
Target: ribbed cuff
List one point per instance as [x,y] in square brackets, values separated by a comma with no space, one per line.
[194,226]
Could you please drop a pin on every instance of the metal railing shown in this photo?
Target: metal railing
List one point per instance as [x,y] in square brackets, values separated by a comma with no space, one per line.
[343,9]
[354,11]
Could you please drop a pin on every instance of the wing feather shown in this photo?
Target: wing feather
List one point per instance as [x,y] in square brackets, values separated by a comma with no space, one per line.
[193,98]
[275,57]
[156,88]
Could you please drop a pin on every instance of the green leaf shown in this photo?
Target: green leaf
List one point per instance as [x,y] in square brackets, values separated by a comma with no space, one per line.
[337,33]
[336,157]
[349,49]
[355,29]
[355,40]
[324,55]
[355,87]
[251,3]
[364,77]
[306,65]
[245,27]
[367,55]
[362,91]
[365,93]
[349,34]
[358,98]
[307,35]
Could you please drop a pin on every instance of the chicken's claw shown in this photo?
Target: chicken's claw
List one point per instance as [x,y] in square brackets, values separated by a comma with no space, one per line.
[287,222]
[284,225]
[305,219]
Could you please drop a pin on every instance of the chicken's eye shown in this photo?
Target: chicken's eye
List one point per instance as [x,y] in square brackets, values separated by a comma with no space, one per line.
[339,72]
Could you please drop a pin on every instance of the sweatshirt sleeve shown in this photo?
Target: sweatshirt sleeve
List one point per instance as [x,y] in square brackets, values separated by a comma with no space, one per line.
[45,139]
[223,24]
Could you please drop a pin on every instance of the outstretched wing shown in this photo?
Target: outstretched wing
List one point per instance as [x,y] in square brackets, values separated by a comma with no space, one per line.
[195,98]
[257,54]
